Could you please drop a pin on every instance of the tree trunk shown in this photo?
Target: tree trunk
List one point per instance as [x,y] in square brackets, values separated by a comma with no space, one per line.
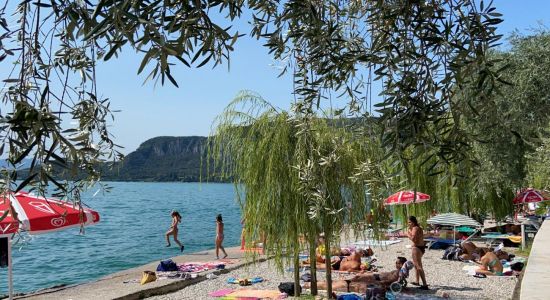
[328,262]
[296,271]
[313,264]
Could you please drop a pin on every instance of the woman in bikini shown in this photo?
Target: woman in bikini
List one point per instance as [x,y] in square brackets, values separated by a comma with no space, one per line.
[176,219]
[416,236]
[219,237]
[490,265]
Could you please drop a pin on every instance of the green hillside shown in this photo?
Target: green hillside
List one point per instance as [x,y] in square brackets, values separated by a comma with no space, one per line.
[161,159]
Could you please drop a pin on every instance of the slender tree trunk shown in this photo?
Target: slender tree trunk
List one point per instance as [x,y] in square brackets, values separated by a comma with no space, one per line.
[328,262]
[297,269]
[313,264]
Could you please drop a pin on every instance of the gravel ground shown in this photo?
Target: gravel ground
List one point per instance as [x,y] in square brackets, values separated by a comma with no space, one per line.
[445,278]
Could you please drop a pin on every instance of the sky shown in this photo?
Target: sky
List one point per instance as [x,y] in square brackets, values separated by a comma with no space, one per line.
[147,111]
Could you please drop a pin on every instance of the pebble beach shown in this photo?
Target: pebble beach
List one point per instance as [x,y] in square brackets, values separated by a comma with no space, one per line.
[446,279]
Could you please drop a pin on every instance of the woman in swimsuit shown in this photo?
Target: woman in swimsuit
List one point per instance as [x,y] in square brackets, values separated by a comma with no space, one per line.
[490,265]
[416,236]
[176,219]
[219,236]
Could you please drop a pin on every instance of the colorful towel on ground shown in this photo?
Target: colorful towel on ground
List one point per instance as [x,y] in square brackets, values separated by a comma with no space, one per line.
[255,294]
[234,280]
[221,293]
[196,267]
[471,270]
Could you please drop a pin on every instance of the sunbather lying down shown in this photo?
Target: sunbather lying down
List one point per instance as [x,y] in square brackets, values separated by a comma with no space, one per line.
[474,253]
[350,263]
[359,282]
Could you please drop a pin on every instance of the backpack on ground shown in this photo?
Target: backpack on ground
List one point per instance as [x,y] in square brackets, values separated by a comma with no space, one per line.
[452,253]
[167,266]
[288,288]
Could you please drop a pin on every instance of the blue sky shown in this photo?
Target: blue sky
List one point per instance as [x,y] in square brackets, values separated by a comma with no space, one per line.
[148,111]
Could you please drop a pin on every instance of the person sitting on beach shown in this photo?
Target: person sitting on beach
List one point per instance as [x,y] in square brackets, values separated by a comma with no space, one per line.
[320,251]
[360,282]
[490,265]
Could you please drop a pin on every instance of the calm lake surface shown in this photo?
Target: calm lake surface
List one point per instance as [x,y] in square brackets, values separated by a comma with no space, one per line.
[134,218]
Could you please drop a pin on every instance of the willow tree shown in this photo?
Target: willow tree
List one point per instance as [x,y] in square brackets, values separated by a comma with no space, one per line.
[263,150]
[418,49]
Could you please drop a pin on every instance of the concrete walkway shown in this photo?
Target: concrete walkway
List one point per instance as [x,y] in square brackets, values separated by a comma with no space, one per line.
[114,286]
[536,276]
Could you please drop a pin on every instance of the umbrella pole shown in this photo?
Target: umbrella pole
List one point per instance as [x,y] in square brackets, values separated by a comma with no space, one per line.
[10,275]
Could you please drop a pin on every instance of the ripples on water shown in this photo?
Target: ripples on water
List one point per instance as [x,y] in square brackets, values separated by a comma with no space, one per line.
[134,218]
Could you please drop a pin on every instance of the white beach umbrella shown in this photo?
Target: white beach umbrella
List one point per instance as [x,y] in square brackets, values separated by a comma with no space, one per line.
[453,219]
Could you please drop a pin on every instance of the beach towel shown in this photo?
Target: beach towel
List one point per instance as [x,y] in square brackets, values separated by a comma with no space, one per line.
[234,280]
[221,293]
[196,267]
[255,294]
[471,270]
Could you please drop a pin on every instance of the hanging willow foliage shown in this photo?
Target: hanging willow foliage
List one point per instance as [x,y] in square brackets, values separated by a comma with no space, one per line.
[295,183]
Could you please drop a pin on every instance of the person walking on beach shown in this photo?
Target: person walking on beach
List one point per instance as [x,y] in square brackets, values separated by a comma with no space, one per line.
[416,236]
[219,237]
[173,231]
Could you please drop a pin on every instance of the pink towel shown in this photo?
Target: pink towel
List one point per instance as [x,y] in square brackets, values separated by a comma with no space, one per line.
[221,293]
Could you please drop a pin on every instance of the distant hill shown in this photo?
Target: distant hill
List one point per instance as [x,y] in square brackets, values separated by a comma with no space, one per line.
[162,159]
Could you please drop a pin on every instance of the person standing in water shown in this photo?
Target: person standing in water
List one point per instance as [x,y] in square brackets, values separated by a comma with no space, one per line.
[173,231]
[219,237]
[416,236]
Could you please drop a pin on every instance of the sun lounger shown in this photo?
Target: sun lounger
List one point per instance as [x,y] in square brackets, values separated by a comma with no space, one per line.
[437,243]
[494,238]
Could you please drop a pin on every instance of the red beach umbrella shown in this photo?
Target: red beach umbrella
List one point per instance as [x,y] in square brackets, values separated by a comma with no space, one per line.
[36,215]
[406,197]
[8,225]
[531,195]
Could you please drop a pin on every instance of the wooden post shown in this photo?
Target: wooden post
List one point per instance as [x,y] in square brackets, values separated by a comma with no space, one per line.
[523,236]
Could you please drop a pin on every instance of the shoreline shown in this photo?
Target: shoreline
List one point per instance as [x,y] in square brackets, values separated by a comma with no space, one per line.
[119,285]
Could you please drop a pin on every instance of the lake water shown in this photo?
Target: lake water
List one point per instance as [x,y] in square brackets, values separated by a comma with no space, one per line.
[134,218]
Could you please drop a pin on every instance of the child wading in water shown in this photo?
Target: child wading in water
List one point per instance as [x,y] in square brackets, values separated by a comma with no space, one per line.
[176,219]
[219,236]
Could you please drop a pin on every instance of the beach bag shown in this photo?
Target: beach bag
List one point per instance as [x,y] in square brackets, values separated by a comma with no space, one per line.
[288,288]
[518,266]
[375,293]
[167,266]
[452,253]
[148,276]
[456,253]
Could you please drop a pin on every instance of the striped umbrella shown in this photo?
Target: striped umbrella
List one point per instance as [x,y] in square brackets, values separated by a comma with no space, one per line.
[406,197]
[452,219]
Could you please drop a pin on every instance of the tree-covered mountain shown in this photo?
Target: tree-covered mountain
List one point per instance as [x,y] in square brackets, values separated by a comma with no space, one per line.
[161,159]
